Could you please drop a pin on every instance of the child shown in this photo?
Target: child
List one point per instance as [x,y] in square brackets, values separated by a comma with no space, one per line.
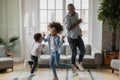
[36,51]
[55,47]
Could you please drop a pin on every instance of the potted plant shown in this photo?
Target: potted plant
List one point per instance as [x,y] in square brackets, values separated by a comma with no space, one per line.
[9,45]
[109,11]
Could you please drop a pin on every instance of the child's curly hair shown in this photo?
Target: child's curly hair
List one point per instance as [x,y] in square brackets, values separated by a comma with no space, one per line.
[37,36]
[57,26]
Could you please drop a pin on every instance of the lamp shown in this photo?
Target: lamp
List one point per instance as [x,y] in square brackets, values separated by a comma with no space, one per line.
[29,22]
[29,25]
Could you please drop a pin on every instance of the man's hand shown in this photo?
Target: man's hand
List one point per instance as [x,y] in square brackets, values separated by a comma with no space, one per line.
[79,20]
[74,25]
[80,31]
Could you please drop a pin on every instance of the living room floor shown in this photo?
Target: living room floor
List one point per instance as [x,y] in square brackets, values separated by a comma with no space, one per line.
[20,67]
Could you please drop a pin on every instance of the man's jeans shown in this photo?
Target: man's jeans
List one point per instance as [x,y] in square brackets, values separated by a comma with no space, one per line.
[55,59]
[74,43]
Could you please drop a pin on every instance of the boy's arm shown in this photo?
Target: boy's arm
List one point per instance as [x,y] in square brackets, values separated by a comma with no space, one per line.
[43,45]
[45,39]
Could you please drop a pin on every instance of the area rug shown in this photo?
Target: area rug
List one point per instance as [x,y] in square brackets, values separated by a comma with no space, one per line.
[63,74]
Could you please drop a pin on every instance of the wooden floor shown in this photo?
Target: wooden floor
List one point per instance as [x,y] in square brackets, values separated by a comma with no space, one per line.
[19,66]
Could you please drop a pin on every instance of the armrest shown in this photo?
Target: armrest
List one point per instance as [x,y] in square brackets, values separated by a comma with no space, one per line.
[98,58]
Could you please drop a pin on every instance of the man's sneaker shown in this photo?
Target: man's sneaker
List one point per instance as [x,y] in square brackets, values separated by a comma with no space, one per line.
[73,68]
[55,78]
[75,73]
[32,74]
[80,66]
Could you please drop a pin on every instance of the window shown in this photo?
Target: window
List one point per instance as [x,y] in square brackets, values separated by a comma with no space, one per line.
[55,10]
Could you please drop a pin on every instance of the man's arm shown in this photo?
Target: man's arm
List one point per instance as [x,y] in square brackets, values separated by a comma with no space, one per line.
[74,25]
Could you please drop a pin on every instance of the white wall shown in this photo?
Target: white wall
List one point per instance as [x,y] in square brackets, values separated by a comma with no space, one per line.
[96,27]
[2,19]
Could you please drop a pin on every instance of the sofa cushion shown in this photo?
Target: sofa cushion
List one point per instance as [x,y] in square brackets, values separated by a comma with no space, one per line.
[2,51]
[63,50]
[44,59]
[45,56]
[6,59]
[45,50]
[87,49]
[94,51]
[88,57]
[68,50]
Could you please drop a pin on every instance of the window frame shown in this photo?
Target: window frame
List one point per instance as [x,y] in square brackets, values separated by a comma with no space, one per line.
[64,12]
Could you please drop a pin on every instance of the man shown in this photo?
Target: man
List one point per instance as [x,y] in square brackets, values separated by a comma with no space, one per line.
[71,22]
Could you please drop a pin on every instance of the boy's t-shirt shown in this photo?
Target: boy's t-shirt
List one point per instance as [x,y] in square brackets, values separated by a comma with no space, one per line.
[36,49]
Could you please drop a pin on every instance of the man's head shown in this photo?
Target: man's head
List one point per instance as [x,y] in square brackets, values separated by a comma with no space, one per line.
[71,8]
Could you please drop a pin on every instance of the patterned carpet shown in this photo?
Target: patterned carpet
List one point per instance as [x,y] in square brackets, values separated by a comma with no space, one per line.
[63,74]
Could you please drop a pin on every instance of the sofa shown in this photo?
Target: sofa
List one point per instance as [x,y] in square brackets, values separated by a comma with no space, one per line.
[5,62]
[92,58]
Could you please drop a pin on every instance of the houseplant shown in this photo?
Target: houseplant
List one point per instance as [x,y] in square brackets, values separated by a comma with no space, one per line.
[9,45]
[109,11]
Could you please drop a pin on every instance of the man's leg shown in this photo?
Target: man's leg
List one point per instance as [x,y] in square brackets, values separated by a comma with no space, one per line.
[74,54]
[73,49]
[82,52]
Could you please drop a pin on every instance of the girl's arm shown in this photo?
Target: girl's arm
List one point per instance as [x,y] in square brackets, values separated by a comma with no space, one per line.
[42,46]
[61,41]
[59,45]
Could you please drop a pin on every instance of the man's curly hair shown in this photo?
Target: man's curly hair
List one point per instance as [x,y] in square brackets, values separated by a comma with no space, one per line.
[57,26]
